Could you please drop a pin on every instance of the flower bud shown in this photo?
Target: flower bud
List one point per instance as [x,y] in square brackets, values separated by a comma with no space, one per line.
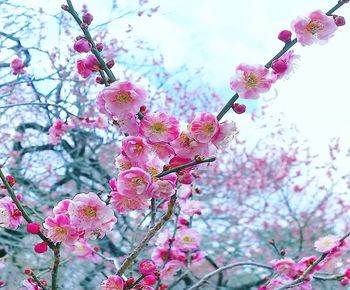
[238,108]
[110,63]
[28,271]
[279,66]
[344,281]
[285,36]
[84,25]
[41,248]
[99,46]
[33,228]
[87,18]
[65,7]
[339,20]
[147,267]
[82,45]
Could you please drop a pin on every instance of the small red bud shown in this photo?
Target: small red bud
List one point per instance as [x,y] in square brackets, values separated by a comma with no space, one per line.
[339,20]
[110,63]
[33,228]
[272,242]
[99,46]
[285,36]
[347,273]
[11,180]
[238,108]
[65,7]
[344,281]
[44,282]
[143,109]
[41,248]
[279,66]
[87,18]
[28,271]
[99,80]
[84,25]
[16,213]
[283,252]
[129,282]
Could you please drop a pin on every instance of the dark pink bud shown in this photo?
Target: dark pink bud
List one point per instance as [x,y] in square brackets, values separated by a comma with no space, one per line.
[147,267]
[99,46]
[347,273]
[33,228]
[17,213]
[344,281]
[87,18]
[28,271]
[129,282]
[41,248]
[339,20]
[11,180]
[238,108]
[91,63]
[82,69]
[99,80]
[344,1]
[285,36]
[283,252]
[183,221]
[110,63]
[279,66]
[2,283]
[150,280]
[82,45]
[65,7]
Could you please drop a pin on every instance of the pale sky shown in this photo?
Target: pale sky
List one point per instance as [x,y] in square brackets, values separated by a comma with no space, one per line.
[219,34]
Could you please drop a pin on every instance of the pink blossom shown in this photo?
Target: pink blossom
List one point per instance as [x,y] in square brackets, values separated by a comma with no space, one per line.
[185,146]
[165,186]
[192,207]
[135,149]
[59,229]
[10,216]
[284,65]
[87,66]
[147,267]
[87,212]
[327,243]
[113,282]
[121,98]
[62,207]
[226,133]
[82,45]
[204,127]
[187,239]
[163,150]
[285,267]
[317,27]
[124,203]
[85,251]
[17,66]
[57,130]
[250,81]
[123,163]
[133,181]
[159,127]
[170,270]
[128,124]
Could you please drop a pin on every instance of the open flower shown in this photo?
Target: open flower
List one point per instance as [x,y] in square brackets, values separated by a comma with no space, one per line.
[250,81]
[327,243]
[316,28]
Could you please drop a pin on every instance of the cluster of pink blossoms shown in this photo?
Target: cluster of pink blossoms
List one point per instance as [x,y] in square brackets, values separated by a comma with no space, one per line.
[288,270]
[250,81]
[17,66]
[85,216]
[155,143]
[57,130]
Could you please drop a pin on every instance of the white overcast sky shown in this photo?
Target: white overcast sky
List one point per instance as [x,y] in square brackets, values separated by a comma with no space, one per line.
[220,34]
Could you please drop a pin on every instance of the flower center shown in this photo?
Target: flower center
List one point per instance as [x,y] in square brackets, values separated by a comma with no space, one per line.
[208,128]
[252,81]
[138,148]
[137,181]
[89,212]
[61,231]
[158,128]
[123,97]
[187,239]
[314,27]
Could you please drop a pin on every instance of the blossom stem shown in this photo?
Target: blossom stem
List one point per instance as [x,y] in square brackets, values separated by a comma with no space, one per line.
[21,208]
[88,37]
[183,166]
[56,265]
[37,281]
[151,233]
[202,281]
[310,268]
[286,47]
